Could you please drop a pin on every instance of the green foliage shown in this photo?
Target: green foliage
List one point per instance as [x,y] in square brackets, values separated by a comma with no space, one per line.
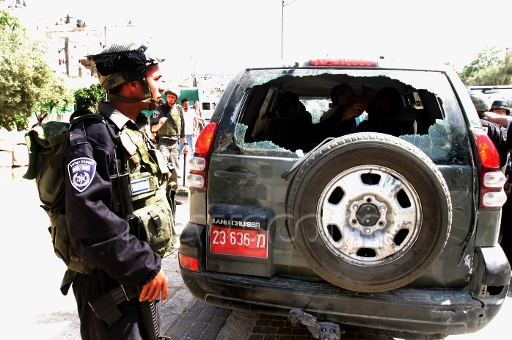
[16,122]
[27,82]
[500,74]
[8,22]
[488,57]
[88,98]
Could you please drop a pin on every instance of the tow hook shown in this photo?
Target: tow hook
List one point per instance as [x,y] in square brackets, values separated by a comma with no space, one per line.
[319,330]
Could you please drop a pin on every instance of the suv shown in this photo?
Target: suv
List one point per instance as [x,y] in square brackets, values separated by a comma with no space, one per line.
[394,229]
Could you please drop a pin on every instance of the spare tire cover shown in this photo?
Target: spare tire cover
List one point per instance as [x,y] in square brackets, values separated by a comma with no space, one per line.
[369,212]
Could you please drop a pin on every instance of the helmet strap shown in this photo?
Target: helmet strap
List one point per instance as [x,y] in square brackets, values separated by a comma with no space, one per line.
[125,99]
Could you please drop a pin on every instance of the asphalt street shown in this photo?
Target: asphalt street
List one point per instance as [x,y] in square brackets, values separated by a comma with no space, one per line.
[34,308]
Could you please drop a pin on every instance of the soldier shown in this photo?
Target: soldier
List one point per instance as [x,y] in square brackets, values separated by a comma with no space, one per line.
[501,107]
[492,127]
[169,125]
[127,265]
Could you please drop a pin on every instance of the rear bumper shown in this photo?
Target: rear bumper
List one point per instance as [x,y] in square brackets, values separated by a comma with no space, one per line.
[425,311]
[410,310]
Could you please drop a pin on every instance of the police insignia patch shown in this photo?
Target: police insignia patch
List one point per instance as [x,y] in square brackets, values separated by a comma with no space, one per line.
[81,172]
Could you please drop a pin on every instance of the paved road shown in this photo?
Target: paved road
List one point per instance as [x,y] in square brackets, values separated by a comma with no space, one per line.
[34,308]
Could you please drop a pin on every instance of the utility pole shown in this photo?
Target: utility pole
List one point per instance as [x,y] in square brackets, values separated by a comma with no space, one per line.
[282,23]
[194,79]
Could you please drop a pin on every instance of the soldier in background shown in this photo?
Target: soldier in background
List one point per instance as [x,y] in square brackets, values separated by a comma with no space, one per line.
[169,125]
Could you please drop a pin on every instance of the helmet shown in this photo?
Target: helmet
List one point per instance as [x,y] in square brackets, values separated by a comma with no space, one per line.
[118,64]
[173,91]
[501,104]
[480,103]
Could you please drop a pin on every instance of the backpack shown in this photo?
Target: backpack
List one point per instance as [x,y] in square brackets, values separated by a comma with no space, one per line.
[45,143]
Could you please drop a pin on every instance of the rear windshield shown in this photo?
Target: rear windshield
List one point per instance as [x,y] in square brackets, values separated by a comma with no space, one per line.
[417,106]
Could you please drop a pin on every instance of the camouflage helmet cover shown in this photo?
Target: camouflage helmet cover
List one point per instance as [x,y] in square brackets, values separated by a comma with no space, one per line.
[480,103]
[173,91]
[118,64]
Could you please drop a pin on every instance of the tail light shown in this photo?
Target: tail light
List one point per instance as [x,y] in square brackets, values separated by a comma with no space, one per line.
[199,163]
[188,262]
[342,62]
[492,179]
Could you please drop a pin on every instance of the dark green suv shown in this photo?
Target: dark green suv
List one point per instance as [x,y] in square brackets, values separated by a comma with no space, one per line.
[393,226]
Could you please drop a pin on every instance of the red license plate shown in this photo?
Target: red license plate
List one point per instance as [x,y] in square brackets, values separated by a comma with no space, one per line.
[239,242]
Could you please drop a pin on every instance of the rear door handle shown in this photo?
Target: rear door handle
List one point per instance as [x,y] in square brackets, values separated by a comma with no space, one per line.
[234,177]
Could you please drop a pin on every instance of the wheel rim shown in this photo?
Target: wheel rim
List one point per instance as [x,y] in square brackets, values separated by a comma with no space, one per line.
[369,215]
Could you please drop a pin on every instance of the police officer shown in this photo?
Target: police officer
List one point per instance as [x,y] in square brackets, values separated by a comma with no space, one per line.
[496,123]
[501,106]
[169,125]
[493,130]
[127,271]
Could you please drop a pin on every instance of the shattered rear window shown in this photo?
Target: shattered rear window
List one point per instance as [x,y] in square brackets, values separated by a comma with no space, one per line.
[427,102]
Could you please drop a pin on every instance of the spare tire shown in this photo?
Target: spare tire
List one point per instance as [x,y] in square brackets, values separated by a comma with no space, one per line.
[369,212]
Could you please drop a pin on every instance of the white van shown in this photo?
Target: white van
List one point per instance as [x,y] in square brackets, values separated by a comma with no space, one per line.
[208,107]
[492,92]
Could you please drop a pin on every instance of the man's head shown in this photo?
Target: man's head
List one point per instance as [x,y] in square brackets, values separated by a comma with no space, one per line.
[185,103]
[120,64]
[501,107]
[287,104]
[342,94]
[154,77]
[196,104]
[479,103]
[171,95]
[387,100]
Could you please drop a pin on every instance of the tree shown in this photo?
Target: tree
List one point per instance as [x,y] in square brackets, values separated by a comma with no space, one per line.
[26,83]
[488,57]
[88,98]
[500,74]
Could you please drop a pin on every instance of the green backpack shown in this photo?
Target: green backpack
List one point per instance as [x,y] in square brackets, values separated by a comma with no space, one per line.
[44,143]
[153,213]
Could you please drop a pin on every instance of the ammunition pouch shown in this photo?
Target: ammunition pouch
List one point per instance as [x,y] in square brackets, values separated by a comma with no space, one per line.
[156,220]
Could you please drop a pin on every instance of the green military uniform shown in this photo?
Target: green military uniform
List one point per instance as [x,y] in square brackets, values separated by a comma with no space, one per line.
[168,136]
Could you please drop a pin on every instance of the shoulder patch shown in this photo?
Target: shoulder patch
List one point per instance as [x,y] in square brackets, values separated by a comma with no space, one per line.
[156,114]
[81,172]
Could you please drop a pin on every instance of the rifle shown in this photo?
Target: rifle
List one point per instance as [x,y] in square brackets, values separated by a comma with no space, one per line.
[184,167]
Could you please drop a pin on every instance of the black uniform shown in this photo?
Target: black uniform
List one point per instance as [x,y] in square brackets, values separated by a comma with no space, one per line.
[98,235]
[333,126]
[497,137]
[506,214]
